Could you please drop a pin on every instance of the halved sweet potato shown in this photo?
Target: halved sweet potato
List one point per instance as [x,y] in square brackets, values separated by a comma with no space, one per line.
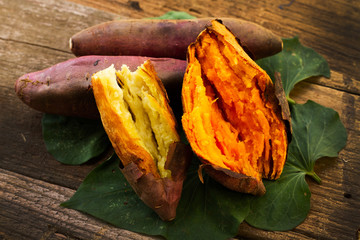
[140,124]
[232,117]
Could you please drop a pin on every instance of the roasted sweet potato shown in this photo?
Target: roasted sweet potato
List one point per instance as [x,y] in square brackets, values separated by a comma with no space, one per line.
[232,117]
[140,124]
[65,88]
[166,38]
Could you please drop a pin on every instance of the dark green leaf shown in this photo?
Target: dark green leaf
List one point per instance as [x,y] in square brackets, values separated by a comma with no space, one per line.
[73,140]
[175,15]
[317,132]
[206,211]
[285,204]
[105,194]
[295,63]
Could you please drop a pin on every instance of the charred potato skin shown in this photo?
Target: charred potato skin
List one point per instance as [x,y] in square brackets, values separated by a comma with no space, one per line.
[234,181]
[161,194]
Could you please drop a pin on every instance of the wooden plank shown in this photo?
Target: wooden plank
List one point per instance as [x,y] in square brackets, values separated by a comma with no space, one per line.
[331,28]
[29,44]
[33,183]
[30,210]
[21,145]
[38,202]
[23,150]
[34,23]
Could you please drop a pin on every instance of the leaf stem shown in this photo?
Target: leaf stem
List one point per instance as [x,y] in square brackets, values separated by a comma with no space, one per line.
[314,176]
[290,100]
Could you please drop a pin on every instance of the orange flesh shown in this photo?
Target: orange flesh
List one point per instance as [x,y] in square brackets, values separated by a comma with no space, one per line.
[227,119]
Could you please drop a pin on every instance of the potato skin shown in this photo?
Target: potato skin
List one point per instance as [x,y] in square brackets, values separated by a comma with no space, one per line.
[234,181]
[167,38]
[65,88]
[161,194]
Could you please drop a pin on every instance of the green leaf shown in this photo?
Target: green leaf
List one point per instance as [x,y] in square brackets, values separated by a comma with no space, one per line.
[317,132]
[105,194]
[206,211]
[175,15]
[73,140]
[295,63]
[285,204]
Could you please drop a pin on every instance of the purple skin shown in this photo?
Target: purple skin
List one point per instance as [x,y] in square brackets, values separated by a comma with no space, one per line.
[65,88]
[167,38]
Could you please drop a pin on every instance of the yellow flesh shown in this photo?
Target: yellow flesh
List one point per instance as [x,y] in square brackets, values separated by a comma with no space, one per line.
[139,103]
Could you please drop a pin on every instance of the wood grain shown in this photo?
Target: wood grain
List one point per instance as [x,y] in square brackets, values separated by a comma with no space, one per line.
[38,202]
[34,35]
[331,29]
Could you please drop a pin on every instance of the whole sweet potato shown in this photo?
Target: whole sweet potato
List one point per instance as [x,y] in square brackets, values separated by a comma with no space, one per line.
[167,38]
[234,116]
[65,88]
[140,124]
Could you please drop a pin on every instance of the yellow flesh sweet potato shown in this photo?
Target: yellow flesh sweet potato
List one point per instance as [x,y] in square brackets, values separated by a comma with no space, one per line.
[140,124]
[231,117]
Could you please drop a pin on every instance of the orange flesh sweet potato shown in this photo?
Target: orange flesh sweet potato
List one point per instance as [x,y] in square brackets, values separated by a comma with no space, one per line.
[228,118]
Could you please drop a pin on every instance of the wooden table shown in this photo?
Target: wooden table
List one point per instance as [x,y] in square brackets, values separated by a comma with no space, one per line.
[34,35]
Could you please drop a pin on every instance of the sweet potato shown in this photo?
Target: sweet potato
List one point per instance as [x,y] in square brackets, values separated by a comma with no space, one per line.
[233,118]
[65,88]
[140,124]
[166,38]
